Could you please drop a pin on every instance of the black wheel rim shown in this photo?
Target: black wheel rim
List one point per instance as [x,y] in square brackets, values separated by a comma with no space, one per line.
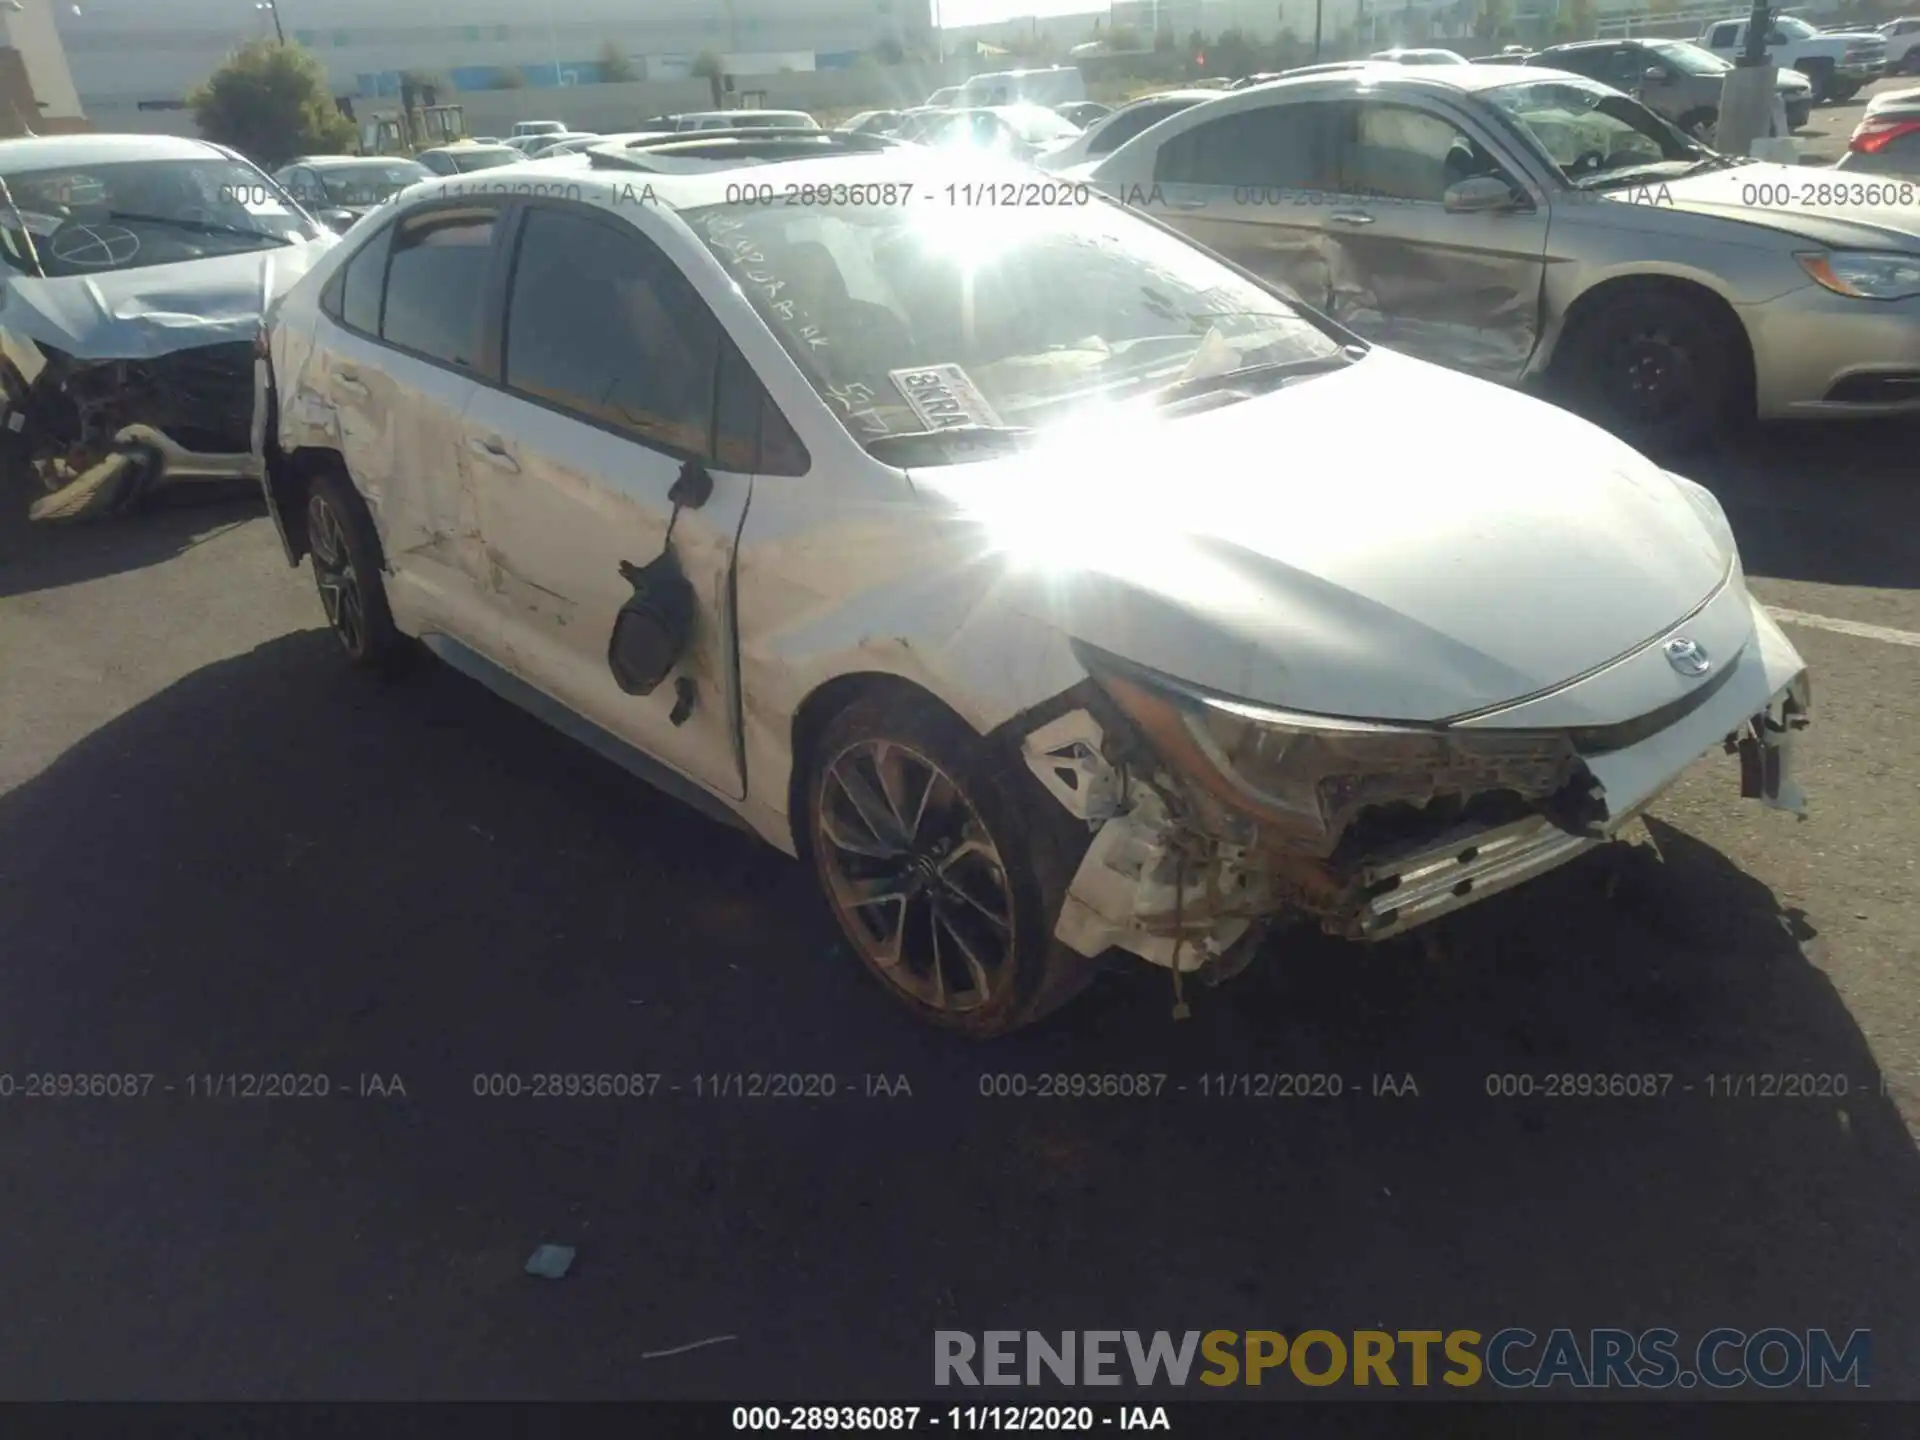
[1653,377]
[915,876]
[334,573]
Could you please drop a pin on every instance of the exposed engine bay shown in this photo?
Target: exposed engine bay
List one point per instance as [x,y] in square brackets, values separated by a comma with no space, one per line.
[1184,881]
[98,435]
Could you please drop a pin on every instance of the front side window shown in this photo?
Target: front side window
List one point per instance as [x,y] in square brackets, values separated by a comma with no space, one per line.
[1273,147]
[1724,36]
[82,220]
[603,325]
[1028,314]
[1399,153]
[1689,59]
[434,280]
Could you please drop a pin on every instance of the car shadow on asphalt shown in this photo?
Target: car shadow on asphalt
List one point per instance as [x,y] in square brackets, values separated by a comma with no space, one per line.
[1821,503]
[273,867]
[36,557]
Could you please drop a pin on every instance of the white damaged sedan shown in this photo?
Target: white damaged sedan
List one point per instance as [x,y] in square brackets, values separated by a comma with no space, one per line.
[1049,585]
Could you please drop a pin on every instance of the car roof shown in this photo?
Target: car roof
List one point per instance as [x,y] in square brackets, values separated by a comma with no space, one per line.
[1195,95]
[1470,77]
[465,149]
[730,114]
[323,162]
[37,152]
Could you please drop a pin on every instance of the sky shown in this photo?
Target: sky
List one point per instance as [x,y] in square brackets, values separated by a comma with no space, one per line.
[982,12]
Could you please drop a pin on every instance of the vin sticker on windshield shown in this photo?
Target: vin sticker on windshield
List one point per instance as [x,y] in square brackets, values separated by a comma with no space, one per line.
[943,397]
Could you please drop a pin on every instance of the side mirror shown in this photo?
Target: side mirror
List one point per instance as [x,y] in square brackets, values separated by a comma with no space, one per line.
[1480,194]
[1653,75]
[338,220]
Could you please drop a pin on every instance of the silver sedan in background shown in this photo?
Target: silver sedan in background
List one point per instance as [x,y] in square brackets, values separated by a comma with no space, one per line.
[1534,226]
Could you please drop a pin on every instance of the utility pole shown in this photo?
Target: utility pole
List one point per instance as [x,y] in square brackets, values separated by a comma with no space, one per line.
[1319,15]
[1747,95]
[553,45]
[274,10]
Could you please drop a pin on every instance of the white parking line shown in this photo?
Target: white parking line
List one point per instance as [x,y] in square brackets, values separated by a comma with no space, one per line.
[1845,627]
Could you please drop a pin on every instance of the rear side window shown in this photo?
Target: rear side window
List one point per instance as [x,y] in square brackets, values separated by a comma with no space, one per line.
[1125,127]
[434,281]
[362,283]
[1724,35]
[601,324]
[1276,146]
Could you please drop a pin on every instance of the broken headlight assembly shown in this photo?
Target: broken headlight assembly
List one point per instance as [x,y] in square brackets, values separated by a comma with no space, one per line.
[1303,780]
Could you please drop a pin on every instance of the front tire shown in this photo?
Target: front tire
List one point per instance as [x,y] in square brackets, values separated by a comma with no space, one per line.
[944,873]
[1655,365]
[344,550]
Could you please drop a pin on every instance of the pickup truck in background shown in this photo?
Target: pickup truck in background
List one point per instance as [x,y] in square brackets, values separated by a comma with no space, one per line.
[1838,64]
[1903,45]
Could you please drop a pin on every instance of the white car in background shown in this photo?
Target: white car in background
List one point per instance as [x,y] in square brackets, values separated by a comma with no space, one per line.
[1049,585]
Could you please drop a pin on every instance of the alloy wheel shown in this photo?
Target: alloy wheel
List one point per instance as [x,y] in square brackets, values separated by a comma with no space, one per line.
[334,574]
[915,876]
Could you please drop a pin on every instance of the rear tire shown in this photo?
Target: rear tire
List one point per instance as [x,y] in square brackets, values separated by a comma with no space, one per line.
[1655,364]
[942,867]
[345,555]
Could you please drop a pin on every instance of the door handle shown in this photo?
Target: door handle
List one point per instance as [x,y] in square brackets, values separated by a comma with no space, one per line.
[1350,217]
[494,453]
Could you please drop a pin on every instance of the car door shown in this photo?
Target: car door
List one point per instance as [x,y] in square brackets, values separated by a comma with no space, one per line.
[396,370]
[1460,288]
[1249,184]
[608,366]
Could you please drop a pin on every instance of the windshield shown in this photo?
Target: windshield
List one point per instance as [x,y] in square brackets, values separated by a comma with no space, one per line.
[370,183]
[1594,135]
[466,161]
[80,220]
[1793,27]
[909,318]
[1689,58]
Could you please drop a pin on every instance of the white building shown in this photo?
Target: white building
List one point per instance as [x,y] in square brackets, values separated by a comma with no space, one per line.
[150,53]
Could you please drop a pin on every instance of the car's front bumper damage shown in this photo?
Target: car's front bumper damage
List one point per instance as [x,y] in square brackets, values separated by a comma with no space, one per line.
[99,436]
[1174,891]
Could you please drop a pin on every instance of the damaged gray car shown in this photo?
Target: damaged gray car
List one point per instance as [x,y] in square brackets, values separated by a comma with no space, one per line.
[138,269]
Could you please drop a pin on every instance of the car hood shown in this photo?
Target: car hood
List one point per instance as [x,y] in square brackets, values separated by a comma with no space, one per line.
[1393,541]
[1725,192]
[1792,80]
[157,309]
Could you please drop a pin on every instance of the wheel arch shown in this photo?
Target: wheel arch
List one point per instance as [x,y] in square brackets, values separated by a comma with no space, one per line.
[817,710]
[1680,287]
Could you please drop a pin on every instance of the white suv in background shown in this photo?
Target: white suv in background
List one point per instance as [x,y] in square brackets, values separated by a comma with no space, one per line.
[1048,584]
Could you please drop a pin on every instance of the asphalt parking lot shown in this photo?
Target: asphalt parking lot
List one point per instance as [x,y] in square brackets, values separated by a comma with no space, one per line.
[221,852]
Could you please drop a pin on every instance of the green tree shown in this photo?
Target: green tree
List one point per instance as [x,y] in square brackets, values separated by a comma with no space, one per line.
[1164,40]
[1233,53]
[270,101]
[615,68]
[1494,18]
[706,66]
[890,52]
[1124,40]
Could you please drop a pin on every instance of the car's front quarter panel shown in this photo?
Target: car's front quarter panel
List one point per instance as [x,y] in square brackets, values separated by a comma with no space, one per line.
[847,572]
[1598,240]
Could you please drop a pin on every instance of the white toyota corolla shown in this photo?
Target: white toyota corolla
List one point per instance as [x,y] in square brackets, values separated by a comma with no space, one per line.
[1048,584]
